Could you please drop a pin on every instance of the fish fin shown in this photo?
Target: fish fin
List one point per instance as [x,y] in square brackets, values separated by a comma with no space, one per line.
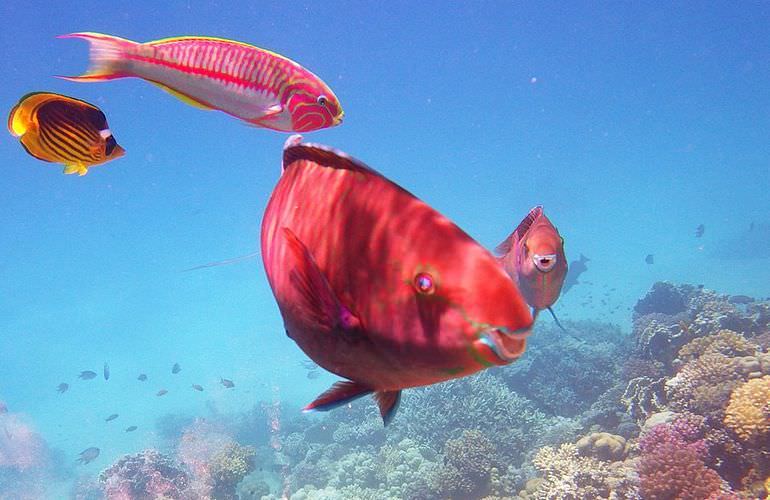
[556,320]
[268,114]
[388,402]
[320,302]
[106,57]
[518,233]
[535,312]
[184,97]
[294,150]
[339,394]
[75,168]
[225,262]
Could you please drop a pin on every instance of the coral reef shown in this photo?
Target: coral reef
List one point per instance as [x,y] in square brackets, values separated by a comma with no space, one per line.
[725,342]
[603,445]
[148,474]
[748,413]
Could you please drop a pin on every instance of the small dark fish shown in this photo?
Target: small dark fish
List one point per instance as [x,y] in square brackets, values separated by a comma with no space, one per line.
[131,428]
[87,375]
[740,299]
[106,371]
[88,455]
[142,377]
[3,408]
[162,392]
[308,364]
[227,383]
[650,259]
[111,417]
[197,387]
[62,388]
[313,374]
[176,368]
[699,230]
[574,270]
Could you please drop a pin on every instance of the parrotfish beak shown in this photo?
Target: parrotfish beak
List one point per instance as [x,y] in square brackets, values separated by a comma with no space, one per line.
[506,345]
[544,262]
[338,118]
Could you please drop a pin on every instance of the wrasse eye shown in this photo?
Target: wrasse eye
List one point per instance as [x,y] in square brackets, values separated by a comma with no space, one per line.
[424,284]
[322,100]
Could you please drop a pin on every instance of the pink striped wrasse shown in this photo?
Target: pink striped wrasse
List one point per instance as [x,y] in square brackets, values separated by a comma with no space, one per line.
[261,87]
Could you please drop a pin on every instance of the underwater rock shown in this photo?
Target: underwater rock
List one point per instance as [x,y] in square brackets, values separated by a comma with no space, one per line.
[604,446]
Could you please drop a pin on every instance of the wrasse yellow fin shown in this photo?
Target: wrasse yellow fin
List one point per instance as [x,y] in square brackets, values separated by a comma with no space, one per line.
[184,98]
[81,170]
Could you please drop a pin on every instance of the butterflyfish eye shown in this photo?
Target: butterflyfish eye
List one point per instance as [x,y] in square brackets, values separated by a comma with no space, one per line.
[322,100]
[109,147]
[424,284]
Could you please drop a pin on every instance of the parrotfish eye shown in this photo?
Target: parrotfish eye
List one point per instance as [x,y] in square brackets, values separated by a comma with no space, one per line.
[322,100]
[109,147]
[424,284]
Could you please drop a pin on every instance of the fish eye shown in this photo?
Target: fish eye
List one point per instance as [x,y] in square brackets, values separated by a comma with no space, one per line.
[109,147]
[322,100]
[424,284]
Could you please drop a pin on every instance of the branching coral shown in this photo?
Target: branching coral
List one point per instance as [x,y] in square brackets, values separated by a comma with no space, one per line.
[704,384]
[726,342]
[228,467]
[148,474]
[748,413]
[467,465]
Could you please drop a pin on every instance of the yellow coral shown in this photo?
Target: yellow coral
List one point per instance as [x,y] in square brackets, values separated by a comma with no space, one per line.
[747,412]
[725,342]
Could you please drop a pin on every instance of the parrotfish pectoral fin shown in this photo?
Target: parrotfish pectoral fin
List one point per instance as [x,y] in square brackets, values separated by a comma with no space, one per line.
[339,394]
[320,303]
[388,402]
[556,320]
[107,57]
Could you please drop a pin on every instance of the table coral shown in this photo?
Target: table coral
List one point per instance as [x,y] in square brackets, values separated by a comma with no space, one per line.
[748,413]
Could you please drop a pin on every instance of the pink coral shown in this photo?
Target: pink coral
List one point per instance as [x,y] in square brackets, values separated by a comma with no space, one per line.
[21,448]
[144,475]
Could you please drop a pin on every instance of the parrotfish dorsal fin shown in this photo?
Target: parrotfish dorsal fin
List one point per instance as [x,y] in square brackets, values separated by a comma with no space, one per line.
[388,403]
[294,150]
[518,233]
[339,394]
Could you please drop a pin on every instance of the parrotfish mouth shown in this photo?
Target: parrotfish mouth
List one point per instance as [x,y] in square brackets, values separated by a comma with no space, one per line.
[544,262]
[506,344]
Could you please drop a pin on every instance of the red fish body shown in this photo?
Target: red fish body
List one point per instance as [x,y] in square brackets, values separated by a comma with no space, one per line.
[253,84]
[376,286]
[533,256]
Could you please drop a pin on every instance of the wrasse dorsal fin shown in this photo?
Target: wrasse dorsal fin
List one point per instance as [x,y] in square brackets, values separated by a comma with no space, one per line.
[337,395]
[294,150]
[518,233]
[319,303]
[388,402]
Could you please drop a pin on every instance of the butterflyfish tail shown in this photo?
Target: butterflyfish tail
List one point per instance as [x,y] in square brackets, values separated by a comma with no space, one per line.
[107,59]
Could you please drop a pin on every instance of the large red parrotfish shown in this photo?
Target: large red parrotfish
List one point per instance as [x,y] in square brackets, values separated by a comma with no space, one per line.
[253,84]
[533,256]
[377,287]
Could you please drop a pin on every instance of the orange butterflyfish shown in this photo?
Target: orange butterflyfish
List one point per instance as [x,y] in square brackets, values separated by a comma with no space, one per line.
[256,85]
[61,129]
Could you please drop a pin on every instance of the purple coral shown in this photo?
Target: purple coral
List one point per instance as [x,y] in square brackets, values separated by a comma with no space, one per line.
[148,474]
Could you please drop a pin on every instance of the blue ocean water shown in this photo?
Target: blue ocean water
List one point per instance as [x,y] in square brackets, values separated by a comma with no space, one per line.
[631,124]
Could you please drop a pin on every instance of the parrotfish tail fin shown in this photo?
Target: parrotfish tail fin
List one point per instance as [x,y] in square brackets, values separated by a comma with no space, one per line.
[584,259]
[388,402]
[107,59]
[225,262]
[319,301]
[339,394]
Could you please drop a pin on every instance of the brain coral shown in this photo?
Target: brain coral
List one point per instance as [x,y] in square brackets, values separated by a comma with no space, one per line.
[748,413]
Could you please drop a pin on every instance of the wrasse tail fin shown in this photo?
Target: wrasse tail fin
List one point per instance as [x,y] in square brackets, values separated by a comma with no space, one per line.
[106,57]
[388,402]
[319,303]
[339,394]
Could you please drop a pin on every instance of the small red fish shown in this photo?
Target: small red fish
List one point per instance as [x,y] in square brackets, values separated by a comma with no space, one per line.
[376,286]
[533,256]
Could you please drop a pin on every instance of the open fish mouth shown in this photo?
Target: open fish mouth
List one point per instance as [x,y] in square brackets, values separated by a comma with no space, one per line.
[506,344]
[544,262]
